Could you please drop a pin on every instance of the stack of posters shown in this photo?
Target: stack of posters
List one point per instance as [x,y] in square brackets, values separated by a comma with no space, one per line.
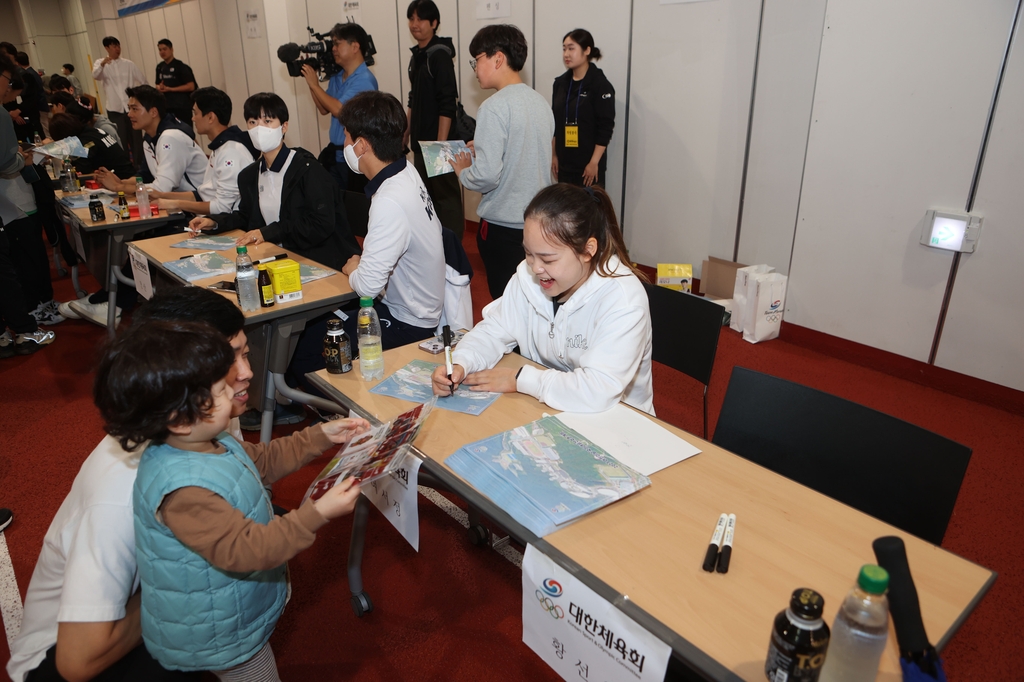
[413,383]
[545,474]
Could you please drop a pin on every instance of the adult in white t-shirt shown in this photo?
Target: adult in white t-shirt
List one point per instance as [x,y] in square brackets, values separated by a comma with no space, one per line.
[118,74]
[403,253]
[82,606]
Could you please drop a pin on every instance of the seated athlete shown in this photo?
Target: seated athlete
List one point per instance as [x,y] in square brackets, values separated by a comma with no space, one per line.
[575,305]
[403,255]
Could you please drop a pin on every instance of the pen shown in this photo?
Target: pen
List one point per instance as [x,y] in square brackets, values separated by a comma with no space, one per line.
[723,560]
[270,259]
[446,336]
[201,253]
[711,556]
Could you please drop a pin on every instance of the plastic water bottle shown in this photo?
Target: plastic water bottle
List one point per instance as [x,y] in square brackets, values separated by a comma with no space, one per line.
[371,353]
[860,630]
[246,284]
[142,198]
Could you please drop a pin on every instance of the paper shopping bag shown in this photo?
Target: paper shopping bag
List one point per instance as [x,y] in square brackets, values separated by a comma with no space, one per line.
[744,289]
[768,302]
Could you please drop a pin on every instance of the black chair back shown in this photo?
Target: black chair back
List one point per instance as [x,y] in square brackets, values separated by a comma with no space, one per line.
[685,330]
[895,471]
[357,209]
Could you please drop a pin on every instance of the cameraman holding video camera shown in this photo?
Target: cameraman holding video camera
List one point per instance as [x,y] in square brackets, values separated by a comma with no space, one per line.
[350,45]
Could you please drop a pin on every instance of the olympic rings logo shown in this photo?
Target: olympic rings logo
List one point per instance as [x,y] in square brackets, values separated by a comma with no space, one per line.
[772,318]
[551,607]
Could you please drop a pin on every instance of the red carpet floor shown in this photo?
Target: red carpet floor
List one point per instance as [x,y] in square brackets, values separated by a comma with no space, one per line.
[452,612]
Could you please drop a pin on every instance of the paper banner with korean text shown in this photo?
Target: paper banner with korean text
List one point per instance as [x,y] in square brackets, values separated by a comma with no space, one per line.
[396,496]
[581,635]
[140,272]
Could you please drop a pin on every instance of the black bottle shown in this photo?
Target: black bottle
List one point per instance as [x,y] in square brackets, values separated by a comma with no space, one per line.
[337,348]
[799,640]
[266,290]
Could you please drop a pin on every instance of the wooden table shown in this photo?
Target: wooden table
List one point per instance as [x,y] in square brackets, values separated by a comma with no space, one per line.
[644,553]
[272,332]
[87,237]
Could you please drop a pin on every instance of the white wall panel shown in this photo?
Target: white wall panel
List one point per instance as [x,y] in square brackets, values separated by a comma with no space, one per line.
[193,43]
[896,127]
[147,45]
[212,41]
[229,37]
[692,72]
[984,331]
[608,22]
[787,66]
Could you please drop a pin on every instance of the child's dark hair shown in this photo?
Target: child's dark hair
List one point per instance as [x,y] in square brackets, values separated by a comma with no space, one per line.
[157,375]
[504,38]
[59,83]
[266,104]
[379,118]
[582,37]
[572,215]
[70,68]
[149,97]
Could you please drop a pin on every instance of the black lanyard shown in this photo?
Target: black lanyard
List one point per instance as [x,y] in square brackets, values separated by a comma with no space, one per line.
[579,94]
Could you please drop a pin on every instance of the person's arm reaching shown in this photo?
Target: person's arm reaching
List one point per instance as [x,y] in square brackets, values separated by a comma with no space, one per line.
[84,650]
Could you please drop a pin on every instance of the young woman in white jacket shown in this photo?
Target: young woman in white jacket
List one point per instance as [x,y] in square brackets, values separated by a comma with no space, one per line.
[575,305]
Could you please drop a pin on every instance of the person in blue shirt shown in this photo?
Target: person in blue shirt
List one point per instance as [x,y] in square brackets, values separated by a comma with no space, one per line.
[350,48]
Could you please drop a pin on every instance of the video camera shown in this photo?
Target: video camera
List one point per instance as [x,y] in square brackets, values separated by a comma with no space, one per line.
[320,56]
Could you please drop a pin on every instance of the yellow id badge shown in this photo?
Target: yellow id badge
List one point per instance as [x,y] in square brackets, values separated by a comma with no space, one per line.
[572,136]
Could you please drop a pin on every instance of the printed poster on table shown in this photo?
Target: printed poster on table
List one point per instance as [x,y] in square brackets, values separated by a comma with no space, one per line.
[581,635]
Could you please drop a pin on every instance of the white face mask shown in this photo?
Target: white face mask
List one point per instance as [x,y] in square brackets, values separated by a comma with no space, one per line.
[351,159]
[266,139]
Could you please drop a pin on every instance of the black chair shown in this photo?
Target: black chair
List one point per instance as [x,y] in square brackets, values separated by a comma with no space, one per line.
[685,331]
[902,474]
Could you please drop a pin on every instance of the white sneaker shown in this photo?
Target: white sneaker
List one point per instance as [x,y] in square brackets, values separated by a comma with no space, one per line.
[65,311]
[94,312]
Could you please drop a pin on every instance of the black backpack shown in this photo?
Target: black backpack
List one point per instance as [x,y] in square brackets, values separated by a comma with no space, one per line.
[464,125]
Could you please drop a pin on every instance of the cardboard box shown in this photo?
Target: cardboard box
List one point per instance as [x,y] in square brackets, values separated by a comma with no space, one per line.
[285,279]
[718,277]
[676,276]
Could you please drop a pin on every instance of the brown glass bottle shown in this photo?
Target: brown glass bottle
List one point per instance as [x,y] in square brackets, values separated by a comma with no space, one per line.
[337,348]
[266,290]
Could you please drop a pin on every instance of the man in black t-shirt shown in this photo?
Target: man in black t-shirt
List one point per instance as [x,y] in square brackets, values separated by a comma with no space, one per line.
[174,78]
[433,94]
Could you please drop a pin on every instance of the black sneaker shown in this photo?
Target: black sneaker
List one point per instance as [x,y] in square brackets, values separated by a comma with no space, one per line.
[6,516]
[283,414]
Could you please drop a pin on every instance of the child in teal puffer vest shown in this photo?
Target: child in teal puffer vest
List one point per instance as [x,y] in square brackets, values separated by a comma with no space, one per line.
[210,551]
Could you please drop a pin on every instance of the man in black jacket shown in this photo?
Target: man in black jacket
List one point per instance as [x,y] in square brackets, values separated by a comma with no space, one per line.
[287,198]
[432,101]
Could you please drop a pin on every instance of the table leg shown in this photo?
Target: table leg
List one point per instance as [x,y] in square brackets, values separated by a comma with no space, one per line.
[112,250]
[269,401]
[360,600]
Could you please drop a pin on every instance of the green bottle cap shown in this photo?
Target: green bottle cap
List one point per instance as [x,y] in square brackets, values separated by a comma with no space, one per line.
[365,301]
[873,579]
[241,249]
[138,178]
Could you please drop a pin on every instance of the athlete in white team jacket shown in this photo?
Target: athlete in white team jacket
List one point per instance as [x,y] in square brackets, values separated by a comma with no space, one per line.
[575,305]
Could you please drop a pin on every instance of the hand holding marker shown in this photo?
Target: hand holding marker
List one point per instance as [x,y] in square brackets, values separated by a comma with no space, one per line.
[446,336]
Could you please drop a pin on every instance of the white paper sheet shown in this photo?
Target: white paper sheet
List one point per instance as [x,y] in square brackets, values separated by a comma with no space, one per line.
[631,438]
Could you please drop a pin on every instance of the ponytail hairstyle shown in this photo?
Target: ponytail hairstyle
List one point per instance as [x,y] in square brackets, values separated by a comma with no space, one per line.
[582,37]
[572,215]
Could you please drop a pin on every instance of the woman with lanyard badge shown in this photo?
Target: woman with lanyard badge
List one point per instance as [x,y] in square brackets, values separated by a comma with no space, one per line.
[583,102]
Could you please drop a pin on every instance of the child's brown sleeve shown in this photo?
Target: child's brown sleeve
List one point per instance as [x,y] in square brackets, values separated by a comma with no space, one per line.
[205,522]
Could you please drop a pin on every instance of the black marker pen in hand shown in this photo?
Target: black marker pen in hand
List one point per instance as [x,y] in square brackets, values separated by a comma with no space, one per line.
[446,337]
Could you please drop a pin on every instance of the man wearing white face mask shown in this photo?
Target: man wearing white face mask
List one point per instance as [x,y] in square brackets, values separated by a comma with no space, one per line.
[403,253]
[289,199]
[286,197]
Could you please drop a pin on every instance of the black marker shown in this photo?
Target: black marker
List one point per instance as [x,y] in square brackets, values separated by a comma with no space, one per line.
[723,559]
[446,336]
[270,259]
[711,556]
[202,253]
